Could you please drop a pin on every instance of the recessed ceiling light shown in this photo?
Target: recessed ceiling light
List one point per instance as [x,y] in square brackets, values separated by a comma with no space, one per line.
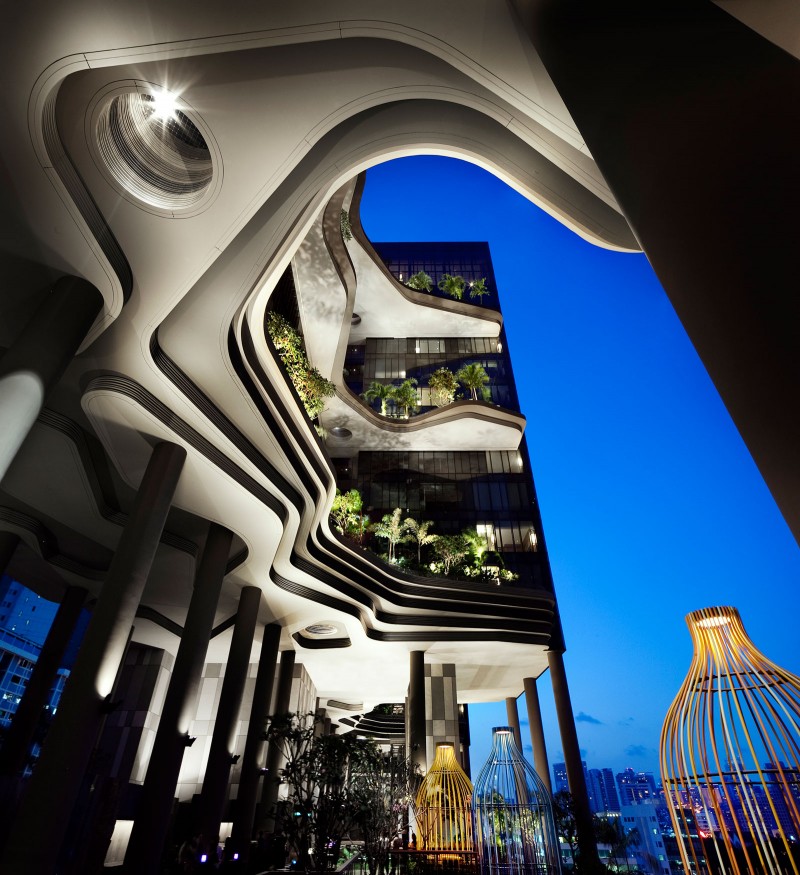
[339,431]
[321,629]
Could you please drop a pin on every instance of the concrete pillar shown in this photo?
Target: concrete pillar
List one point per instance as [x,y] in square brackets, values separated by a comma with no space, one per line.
[253,755]
[537,731]
[40,355]
[269,792]
[8,544]
[512,715]
[416,743]
[20,735]
[572,759]
[152,822]
[218,768]
[54,786]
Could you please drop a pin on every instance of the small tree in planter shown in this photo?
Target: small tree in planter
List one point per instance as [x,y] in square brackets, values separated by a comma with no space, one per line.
[378,391]
[443,385]
[347,516]
[477,289]
[421,282]
[392,529]
[419,533]
[453,286]
[474,378]
[450,550]
[405,396]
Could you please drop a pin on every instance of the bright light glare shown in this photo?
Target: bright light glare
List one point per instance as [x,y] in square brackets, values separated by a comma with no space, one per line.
[165,105]
[711,622]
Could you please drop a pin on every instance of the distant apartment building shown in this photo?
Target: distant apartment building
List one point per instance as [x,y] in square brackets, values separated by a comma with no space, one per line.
[636,786]
[603,798]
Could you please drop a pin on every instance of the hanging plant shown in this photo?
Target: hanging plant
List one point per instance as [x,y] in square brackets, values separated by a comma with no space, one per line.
[308,382]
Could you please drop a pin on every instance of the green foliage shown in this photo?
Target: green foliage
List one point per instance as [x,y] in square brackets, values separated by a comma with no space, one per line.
[392,529]
[450,550]
[443,385]
[453,285]
[474,378]
[308,382]
[405,396]
[477,289]
[419,532]
[347,516]
[378,391]
[421,281]
[344,221]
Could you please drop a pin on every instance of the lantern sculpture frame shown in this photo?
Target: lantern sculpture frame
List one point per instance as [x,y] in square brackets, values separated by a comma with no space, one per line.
[515,830]
[443,806]
[730,753]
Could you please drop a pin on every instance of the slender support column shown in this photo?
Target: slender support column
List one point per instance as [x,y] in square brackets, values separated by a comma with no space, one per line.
[590,861]
[23,727]
[218,769]
[537,731]
[55,784]
[40,355]
[8,544]
[512,715]
[283,695]
[151,826]
[254,746]
[416,711]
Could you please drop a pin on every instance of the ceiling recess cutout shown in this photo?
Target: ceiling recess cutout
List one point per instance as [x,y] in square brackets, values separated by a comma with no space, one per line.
[153,150]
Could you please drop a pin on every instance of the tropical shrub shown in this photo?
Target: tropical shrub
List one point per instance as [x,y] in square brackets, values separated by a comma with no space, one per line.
[452,285]
[421,281]
[405,396]
[443,385]
[347,516]
[474,378]
[344,221]
[377,391]
[308,382]
[392,529]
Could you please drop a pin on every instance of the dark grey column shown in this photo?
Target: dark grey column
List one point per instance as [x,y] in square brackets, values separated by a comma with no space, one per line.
[218,769]
[417,742]
[253,755]
[40,355]
[151,826]
[8,544]
[537,731]
[54,786]
[512,715]
[572,761]
[23,727]
[283,695]
[655,87]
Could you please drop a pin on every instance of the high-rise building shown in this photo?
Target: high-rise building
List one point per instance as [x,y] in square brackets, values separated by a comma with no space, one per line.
[163,168]
[636,786]
[602,791]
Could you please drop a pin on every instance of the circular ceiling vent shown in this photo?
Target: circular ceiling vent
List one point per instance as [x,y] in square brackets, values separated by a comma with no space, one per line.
[154,148]
[321,629]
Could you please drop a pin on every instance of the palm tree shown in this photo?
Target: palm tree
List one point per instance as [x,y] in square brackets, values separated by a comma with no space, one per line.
[473,377]
[419,532]
[405,396]
[421,281]
[392,529]
[452,285]
[375,391]
[477,289]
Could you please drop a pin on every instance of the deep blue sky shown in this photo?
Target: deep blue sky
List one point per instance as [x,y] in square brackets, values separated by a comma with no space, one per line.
[652,506]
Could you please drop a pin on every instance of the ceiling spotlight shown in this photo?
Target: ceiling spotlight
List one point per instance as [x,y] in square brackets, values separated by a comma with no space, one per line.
[165,105]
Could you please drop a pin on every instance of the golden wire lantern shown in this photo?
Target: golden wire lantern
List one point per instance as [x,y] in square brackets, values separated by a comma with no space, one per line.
[444,804]
[730,754]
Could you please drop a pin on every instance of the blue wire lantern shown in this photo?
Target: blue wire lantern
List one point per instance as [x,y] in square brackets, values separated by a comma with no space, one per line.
[515,833]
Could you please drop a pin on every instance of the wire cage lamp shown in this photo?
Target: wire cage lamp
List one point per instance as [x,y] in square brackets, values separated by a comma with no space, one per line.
[515,831]
[730,754]
[444,804]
